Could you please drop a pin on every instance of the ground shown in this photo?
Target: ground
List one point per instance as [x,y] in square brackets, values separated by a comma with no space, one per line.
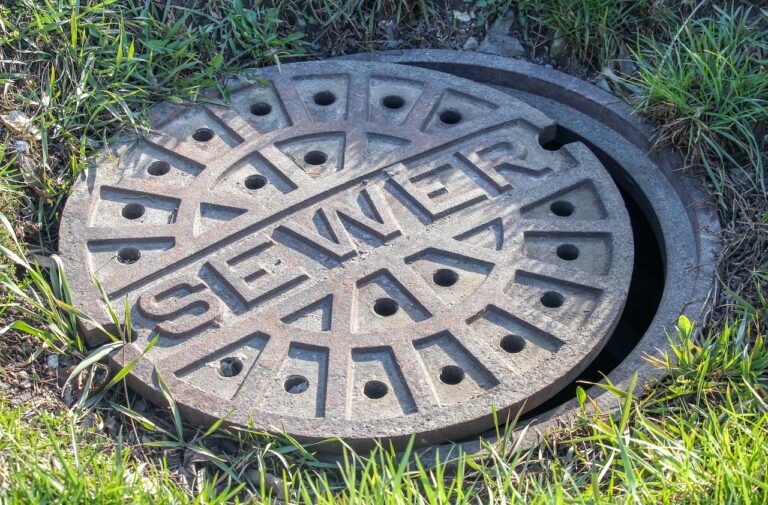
[75,73]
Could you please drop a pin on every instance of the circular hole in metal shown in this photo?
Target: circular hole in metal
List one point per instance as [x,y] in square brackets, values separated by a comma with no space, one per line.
[552,299]
[255,182]
[315,157]
[230,366]
[445,277]
[512,343]
[324,98]
[645,294]
[296,384]
[562,208]
[451,375]
[450,116]
[393,102]
[375,389]
[128,255]
[385,307]
[203,134]
[261,109]
[133,211]
[158,168]
[567,252]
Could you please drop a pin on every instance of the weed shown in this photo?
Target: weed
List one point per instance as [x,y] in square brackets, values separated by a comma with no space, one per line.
[83,70]
[707,90]
[594,30]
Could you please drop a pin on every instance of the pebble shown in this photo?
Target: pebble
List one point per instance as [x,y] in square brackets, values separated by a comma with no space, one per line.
[21,147]
[140,405]
[52,361]
[111,426]
[503,45]
[471,44]
[558,49]
[602,83]
[276,485]
[461,16]
[91,420]
[271,483]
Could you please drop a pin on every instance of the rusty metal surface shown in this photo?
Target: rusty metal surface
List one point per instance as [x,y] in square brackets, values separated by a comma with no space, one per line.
[350,249]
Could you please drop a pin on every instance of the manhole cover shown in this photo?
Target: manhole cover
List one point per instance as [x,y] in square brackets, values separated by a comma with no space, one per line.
[356,250]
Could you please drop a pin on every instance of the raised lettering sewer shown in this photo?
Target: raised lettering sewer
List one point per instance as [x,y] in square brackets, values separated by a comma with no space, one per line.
[380,249]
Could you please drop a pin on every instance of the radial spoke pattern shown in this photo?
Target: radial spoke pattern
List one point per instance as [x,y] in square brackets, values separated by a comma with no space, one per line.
[356,250]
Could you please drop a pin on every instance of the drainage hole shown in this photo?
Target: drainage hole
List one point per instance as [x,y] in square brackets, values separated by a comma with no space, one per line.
[230,366]
[385,307]
[393,102]
[128,255]
[324,98]
[567,252]
[562,208]
[450,117]
[158,168]
[512,343]
[296,384]
[315,157]
[203,134]
[375,389]
[133,211]
[261,109]
[451,375]
[552,299]
[445,277]
[255,182]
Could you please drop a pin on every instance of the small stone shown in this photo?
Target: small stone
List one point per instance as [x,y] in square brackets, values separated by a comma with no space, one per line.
[503,25]
[602,83]
[512,47]
[558,49]
[111,426]
[461,16]
[276,485]
[271,483]
[29,170]
[52,361]
[549,66]
[502,45]
[91,420]
[140,405]
[471,44]
[21,147]
[393,43]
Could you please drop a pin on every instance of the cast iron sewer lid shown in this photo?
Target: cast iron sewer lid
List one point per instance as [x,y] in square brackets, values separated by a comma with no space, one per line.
[356,250]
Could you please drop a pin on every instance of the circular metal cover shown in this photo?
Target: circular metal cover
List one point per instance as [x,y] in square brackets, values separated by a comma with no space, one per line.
[363,250]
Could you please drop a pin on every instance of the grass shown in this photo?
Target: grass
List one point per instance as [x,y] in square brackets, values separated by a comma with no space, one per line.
[82,70]
[595,31]
[49,457]
[708,92]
